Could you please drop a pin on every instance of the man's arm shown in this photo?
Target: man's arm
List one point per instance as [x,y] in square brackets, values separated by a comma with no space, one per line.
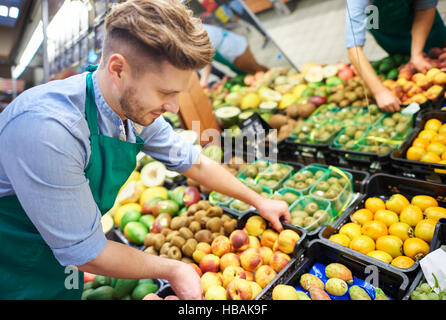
[214,177]
[422,25]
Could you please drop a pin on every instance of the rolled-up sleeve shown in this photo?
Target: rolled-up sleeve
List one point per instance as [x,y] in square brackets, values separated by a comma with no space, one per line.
[46,170]
[164,144]
[425,4]
[355,22]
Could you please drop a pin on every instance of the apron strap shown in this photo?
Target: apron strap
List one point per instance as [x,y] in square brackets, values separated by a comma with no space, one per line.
[90,105]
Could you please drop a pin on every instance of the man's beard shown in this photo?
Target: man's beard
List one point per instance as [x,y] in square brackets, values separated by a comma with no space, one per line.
[132,110]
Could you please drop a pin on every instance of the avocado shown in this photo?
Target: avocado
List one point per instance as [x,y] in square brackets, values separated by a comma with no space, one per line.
[85,293]
[123,287]
[143,289]
[135,232]
[101,281]
[129,216]
[101,293]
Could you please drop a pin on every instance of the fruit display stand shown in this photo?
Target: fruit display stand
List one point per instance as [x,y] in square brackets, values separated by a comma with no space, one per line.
[438,240]
[351,274]
[383,186]
[420,169]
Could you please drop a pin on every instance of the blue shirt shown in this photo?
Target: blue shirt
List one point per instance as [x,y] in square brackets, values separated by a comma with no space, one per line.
[356,19]
[45,147]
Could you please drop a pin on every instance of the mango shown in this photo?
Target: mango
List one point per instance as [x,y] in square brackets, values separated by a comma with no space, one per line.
[318,294]
[358,293]
[308,280]
[339,271]
[336,287]
[380,295]
[302,295]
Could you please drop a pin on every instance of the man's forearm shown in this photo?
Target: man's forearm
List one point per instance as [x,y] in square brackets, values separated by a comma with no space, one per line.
[214,177]
[120,261]
[422,25]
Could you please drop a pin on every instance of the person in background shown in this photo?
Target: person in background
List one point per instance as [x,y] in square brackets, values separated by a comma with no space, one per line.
[232,50]
[408,27]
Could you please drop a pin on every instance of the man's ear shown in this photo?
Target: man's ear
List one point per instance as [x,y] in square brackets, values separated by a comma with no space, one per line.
[118,69]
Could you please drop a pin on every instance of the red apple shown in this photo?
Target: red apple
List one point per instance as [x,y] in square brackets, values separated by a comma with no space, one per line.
[191,196]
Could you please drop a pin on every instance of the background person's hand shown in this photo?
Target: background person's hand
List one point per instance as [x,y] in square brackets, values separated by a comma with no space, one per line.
[420,63]
[185,282]
[387,101]
[273,210]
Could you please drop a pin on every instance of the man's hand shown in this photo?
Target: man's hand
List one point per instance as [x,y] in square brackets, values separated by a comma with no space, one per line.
[420,63]
[273,210]
[387,101]
[185,282]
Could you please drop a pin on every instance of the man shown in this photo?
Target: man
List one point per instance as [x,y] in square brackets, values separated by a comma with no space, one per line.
[408,27]
[68,146]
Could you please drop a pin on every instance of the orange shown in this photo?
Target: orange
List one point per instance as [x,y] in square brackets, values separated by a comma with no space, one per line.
[341,239]
[435,213]
[425,229]
[361,216]
[440,138]
[442,129]
[441,170]
[387,217]
[363,244]
[380,255]
[430,157]
[390,244]
[411,215]
[402,262]
[397,203]
[415,248]
[374,229]
[427,134]
[437,148]
[351,230]
[414,153]
[420,142]
[402,230]
[424,202]
[432,124]
[374,204]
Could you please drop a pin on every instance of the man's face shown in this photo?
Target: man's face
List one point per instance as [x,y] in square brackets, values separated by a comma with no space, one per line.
[147,97]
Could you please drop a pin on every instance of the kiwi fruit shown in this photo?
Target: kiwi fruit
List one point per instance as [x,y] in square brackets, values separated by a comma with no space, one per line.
[199,215]
[225,218]
[192,209]
[165,248]
[299,214]
[178,222]
[178,241]
[203,205]
[204,236]
[166,231]
[204,221]
[311,208]
[195,226]
[186,233]
[172,234]
[151,250]
[214,224]
[158,241]
[187,260]
[214,212]
[321,216]
[174,253]
[149,239]
[308,221]
[189,247]
[297,221]
[229,226]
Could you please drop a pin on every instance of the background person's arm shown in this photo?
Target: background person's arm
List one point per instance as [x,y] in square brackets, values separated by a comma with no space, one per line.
[422,25]
[214,177]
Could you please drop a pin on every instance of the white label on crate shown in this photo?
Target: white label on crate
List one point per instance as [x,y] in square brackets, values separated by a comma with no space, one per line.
[411,109]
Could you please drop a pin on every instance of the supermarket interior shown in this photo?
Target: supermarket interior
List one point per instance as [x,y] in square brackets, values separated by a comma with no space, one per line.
[223,150]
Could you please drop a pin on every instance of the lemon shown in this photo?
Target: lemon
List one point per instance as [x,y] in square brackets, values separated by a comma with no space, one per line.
[380,255]
[152,193]
[287,100]
[341,239]
[119,213]
[250,101]
[351,230]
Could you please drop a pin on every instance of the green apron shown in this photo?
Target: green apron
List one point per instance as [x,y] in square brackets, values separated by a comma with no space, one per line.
[395,26]
[28,268]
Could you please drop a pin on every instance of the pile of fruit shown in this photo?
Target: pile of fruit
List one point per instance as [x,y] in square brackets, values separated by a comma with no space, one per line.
[333,282]
[241,265]
[181,235]
[98,287]
[274,175]
[387,67]
[304,179]
[430,144]
[425,292]
[394,231]
[353,93]
[310,213]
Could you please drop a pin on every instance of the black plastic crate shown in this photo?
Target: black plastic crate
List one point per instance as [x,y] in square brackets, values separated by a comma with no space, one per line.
[438,240]
[307,153]
[419,169]
[383,186]
[393,283]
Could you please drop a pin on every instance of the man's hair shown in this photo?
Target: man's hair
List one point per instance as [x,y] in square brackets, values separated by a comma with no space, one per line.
[148,32]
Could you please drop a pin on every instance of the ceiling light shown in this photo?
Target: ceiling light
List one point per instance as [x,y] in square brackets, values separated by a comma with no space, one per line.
[3,11]
[13,12]
[29,52]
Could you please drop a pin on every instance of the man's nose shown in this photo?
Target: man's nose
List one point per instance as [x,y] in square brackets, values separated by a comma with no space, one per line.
[172,106]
